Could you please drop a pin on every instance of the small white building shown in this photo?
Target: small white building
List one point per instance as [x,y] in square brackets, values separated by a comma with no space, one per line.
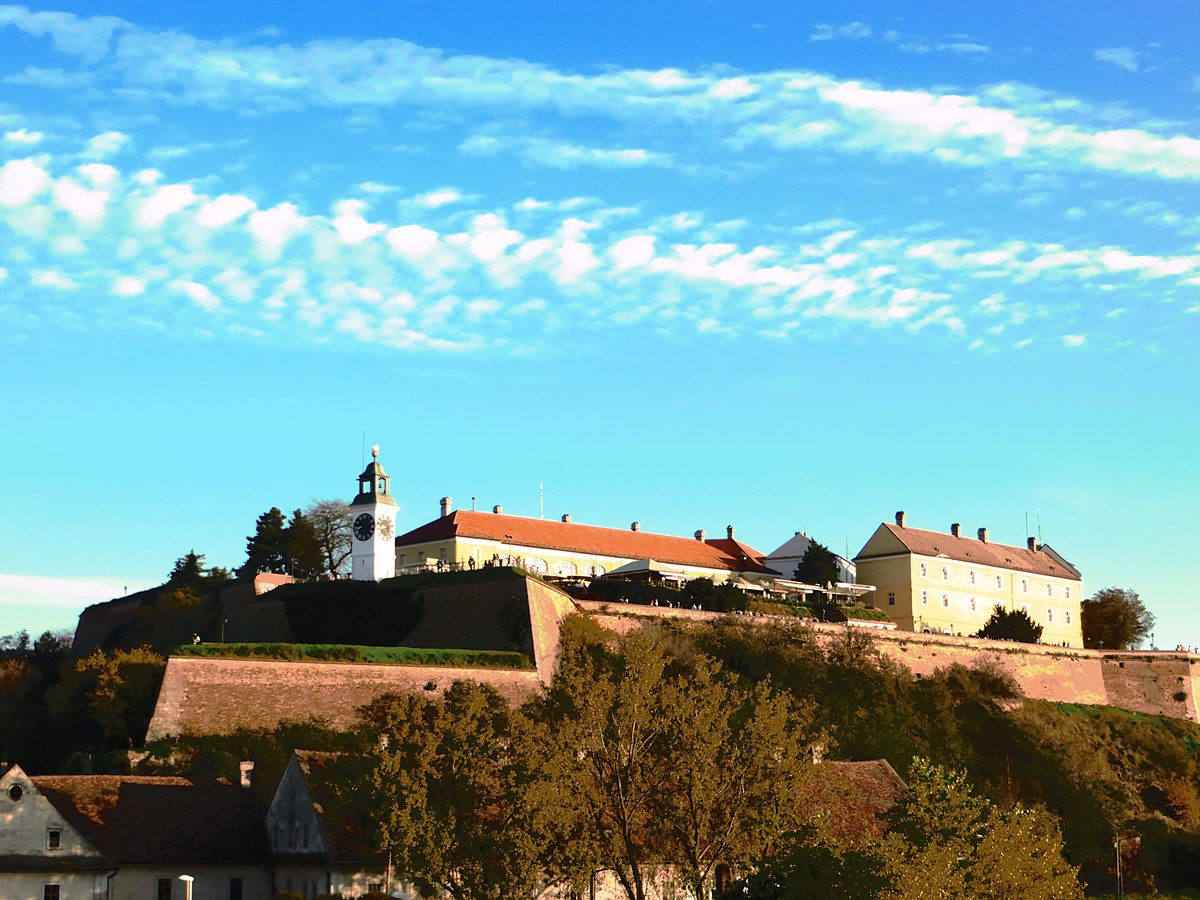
[785,558]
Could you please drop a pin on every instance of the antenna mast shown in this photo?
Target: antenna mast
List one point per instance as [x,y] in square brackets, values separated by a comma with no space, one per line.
[541,501]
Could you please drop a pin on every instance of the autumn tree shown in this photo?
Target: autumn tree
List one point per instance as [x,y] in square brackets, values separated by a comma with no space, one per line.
[448,781]
[946,841]
[1010,625]
[1115,619]
[736,757]
[331,521]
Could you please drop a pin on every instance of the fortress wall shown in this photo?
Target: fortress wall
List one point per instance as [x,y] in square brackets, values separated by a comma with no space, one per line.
[1142,682]
[1163,684]
[218,696]
[547,608]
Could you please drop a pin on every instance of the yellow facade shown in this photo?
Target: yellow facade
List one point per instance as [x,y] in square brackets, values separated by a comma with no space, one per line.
[469,552]
[936,593]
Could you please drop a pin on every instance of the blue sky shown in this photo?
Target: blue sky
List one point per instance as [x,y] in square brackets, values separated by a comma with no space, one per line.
[783,266]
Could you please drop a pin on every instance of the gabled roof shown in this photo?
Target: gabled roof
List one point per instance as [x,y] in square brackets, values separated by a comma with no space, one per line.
[333,782]
[573,537]
[965,549]
[160,820]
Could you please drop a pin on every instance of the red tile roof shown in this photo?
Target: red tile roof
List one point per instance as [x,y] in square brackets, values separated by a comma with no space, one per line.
[574,537]
[984,553]
[160,820]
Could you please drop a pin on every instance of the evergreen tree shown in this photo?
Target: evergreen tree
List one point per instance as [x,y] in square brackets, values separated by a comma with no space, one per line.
[305,559]
[188,569]
[1010,625]
[267,548]
[818,566]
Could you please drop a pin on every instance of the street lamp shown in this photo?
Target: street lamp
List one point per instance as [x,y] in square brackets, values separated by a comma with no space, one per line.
[187,886]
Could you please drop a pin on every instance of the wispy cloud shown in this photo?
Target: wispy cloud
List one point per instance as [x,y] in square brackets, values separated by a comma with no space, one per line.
[1122,57]
[452,275]
[791,110]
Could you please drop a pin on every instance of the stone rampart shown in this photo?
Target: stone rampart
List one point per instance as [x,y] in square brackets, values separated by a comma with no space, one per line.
[1160,683]
[218,696]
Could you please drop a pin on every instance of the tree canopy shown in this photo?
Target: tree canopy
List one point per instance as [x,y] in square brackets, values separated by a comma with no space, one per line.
[1010,625]
[267,548]
[818,565]
[1115,619]
[331,521]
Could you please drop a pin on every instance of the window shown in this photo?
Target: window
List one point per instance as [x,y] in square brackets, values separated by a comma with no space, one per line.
[999,582]
[1068,615]
[924,598]
[1049,589]
[891,598]
[535,566]
[1024,585]
[945,599]
[565,567]
[972,604]
[374,887]
[15,793]
[594,570]
[235,889]
[972,576]
[1068,589]
[164,889]
[53,838]
[945,573]
[51,891]
[923,570]
[1049,615]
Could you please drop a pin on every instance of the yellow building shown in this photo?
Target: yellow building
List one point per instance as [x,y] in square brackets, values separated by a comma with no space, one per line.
[466,539]
[949,584]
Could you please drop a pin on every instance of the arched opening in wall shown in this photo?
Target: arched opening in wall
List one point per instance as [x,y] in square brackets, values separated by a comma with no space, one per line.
[722,877]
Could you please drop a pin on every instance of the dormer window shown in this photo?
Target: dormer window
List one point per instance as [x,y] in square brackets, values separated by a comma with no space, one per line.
[53,838]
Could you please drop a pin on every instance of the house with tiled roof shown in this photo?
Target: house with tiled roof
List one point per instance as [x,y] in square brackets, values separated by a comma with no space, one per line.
[930,581]
[127,837]
[567,549]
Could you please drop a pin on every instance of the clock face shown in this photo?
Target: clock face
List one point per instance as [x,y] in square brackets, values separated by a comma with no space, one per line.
[385,527]
[364,527]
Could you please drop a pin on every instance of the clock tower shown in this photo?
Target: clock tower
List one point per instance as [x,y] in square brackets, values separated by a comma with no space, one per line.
[373,513]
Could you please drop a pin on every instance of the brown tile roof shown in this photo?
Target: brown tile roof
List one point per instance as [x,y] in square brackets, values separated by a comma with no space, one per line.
[984,553]
[574,537]
[160,820]
[852,797]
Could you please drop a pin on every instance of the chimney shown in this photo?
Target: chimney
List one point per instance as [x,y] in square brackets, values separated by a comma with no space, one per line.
[245,771]
[956,530]
[900,518]
[635,526]
[497,509]
[983,535]
[699,534]
[729,532]
[1031,543]
[566,517]
[447,505]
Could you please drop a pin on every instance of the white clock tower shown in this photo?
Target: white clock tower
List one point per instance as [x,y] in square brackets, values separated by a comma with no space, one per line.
[374,514]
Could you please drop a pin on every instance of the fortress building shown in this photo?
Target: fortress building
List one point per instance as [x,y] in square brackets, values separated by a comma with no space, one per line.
[927,581]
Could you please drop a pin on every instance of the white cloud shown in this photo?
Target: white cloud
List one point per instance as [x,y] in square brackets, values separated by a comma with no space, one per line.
[1123,57]
[440,197]
[106,144]
[854,31]
[1074,340]
[274,227]
[22,136]
[51,278]
[223,210]
[164,202]
[351,227]
[128,286]
[20,181]
[85,205]
[412,240]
